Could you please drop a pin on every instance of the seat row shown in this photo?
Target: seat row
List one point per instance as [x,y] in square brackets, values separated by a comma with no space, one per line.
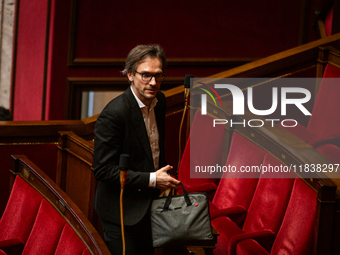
[324,124]
[275,214]
[40,219]
[254,212]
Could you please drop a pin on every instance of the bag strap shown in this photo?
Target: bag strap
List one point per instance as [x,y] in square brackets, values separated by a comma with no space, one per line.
[168,199]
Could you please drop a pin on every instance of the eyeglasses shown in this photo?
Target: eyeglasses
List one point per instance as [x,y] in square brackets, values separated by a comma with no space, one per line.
[147,77]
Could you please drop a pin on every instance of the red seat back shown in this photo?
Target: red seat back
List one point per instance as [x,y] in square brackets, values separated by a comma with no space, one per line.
[328,22]
[242,153]
[325,119]
[205,144]
[22,208]
[31,219]
[46,231]
[270,201]
[296,233]
[330,151]
[70,243]
[51,234]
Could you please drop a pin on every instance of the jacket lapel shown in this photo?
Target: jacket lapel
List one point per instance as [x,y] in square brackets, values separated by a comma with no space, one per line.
[159,120]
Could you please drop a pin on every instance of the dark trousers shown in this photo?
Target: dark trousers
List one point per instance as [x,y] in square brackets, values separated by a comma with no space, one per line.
[138,238]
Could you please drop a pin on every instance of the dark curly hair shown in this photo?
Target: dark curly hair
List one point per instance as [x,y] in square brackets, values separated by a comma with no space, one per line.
[141,52]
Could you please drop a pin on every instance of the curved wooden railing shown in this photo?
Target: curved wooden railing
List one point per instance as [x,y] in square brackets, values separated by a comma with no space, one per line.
[61,203]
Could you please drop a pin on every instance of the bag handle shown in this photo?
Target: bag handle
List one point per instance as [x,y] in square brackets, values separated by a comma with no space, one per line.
[168,199]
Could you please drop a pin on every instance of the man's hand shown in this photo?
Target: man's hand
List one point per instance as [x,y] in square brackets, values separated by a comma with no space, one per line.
[165,181]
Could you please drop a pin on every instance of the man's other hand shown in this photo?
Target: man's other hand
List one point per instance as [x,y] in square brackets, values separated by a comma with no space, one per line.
[165,181]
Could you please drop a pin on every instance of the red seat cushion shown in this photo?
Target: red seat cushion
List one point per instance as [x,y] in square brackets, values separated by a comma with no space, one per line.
[301,132]
[69,243]
[325,119]
[329,22]
[46,231]
[330,151]
[227,197]
[226,229]
[271,198]
[22,208]
[296,232]
[235,213]
[331,139]
[31,225]
[204,148]
[250,247]
[264,216]
[86,252]
[12,246]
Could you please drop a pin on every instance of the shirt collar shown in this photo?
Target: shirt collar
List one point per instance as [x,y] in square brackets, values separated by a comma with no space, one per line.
[141,104]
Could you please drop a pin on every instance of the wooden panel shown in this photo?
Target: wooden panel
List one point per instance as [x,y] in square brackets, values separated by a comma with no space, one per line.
[281,64]
[185,32]
[43,131]
[75,172]
[78,186]
[37,139]
[32,21]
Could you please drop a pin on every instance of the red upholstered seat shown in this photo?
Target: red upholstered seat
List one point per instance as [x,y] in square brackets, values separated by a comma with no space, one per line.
[12,246]
[70,243]
[86,252]
[235,190]
[22,208]
[51,234]
[325,119]
[296,233]
[301,132]
[250,247]
[205,145]
[324,124]
[30,225]
[2,252]
[46,231]
[328,22]
[264,216]
[330,151]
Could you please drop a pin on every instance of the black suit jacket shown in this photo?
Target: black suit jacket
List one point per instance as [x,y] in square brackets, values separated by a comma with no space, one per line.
[120,129]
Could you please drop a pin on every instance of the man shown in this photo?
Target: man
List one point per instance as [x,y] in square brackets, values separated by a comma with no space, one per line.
[133,123]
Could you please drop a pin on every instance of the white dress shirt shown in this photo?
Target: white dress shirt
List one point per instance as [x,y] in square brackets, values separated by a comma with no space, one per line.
[152,130]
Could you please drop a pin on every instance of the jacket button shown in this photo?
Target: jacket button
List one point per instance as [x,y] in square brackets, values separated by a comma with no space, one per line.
[139,190]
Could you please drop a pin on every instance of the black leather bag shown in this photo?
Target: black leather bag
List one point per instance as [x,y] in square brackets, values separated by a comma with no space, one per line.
[180,220]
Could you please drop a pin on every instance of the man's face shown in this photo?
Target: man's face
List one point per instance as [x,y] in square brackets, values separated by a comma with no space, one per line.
[146,90]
